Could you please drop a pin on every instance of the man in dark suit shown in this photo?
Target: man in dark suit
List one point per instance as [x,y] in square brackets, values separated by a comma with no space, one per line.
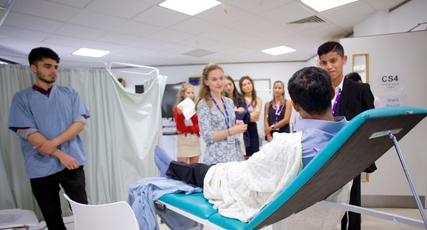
[350,99]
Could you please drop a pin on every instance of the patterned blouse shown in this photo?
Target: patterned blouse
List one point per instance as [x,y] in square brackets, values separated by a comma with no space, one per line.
[211,120]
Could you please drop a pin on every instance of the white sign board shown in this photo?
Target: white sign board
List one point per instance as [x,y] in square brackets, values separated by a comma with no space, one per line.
[390,82]
[393,100]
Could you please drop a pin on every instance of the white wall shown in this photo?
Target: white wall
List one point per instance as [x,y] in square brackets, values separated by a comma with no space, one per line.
[404,53]
[272,71]
[399,20]
[408,16]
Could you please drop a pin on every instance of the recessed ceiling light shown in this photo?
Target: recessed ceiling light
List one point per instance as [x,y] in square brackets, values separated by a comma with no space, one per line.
[323,5]
[189,7]
[90,52]
[278,50]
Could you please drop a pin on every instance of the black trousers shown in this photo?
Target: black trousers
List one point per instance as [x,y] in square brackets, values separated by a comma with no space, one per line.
[46,192]
[189,173]
[354,219]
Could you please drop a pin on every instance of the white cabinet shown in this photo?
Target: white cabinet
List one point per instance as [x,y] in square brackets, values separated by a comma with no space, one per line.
[169,144]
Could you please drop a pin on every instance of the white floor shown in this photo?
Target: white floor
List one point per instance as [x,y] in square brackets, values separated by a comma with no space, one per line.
[368,222]
[371,223]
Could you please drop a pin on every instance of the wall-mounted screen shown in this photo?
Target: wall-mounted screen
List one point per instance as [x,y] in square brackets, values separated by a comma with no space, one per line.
[169,99]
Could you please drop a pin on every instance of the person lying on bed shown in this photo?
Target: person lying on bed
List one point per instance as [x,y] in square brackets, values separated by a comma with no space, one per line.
[240,189]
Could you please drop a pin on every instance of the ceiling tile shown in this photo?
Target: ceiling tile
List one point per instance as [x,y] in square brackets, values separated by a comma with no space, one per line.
[62,51]
[288,13]
[177,49]
[153,2]
[136,29]
[244,52]
[217,16]
[75,3]
[150,44]
[17,46]
[124,9]
[29,22]
[325,33]
[44,9]
[116,38]
[79,31]
[160,17]
[251,24]
[273,32]
[96,20]
[194,26]
[30,35]
[349,11]
[252,42]
[257,6]
[104,46]
[133,51]
[199,42]
[67,41]
[222,46]
[168,35]
[384,5]
[348,24]
[146,60]
[222,58]
[118,57]
[221,34]
[299,27]
[159,54]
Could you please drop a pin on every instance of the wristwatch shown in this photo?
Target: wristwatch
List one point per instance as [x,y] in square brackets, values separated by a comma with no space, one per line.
[272,127]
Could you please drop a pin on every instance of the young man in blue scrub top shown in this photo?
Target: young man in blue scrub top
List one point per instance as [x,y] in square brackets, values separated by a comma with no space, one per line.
[350,99]
[48,119]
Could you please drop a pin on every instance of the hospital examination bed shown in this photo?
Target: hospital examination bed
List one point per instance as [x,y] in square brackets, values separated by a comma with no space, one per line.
[359,144]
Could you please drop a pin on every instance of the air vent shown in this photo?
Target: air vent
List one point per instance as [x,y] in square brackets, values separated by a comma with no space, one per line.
[198,53]
[312,19]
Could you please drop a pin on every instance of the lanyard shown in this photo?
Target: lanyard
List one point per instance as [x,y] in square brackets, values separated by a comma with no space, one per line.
[336,102]
[277,110]
[227,119]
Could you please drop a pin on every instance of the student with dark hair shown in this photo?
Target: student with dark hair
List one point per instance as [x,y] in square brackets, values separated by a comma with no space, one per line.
[254,105]
[241,110]
[354,76]
[231,186]
[48,119]
[350,99]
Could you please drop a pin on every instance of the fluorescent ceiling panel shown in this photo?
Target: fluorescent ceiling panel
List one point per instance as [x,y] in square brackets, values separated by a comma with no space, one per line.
[278,50]
[322,5]
[189,7]
[90,52]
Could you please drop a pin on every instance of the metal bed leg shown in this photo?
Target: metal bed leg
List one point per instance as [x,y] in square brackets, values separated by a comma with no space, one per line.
[408,177]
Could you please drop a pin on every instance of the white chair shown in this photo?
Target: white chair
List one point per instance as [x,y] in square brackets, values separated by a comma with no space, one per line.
[113,216]
[17,218]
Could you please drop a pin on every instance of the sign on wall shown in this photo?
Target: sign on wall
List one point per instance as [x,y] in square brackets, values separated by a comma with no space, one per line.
[390,81]
[394,100]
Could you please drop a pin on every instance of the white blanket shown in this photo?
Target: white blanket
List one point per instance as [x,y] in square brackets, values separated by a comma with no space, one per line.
[240,189]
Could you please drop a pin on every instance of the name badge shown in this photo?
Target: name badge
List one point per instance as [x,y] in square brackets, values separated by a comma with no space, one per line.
[230,139]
